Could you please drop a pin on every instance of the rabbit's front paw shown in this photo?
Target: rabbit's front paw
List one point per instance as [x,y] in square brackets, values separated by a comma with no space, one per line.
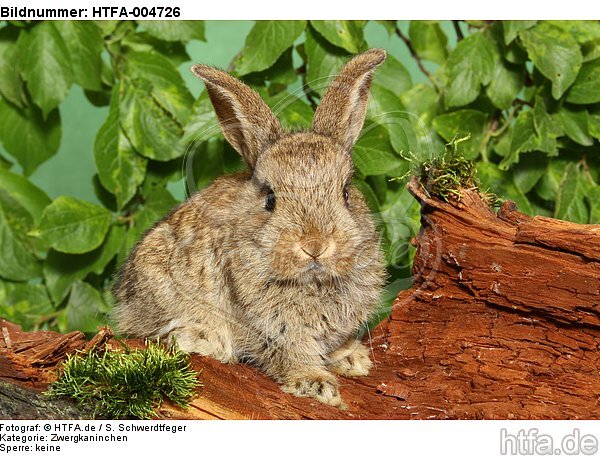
[351,360]
[320,386]
[193,339]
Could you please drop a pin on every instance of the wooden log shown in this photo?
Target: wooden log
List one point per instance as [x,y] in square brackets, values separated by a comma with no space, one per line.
[503,321]
[23,404]
[496,259]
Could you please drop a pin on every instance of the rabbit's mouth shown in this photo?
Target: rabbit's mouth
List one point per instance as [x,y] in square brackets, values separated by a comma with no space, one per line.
[314,267]
[314,270]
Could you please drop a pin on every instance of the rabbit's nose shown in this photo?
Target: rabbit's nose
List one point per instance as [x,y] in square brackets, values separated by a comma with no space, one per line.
[314,248]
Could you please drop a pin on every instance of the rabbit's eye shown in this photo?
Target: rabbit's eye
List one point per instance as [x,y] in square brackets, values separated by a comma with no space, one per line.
[270,200]
[346,195]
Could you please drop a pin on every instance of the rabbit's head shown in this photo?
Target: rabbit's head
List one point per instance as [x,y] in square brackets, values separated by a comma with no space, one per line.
[305,216]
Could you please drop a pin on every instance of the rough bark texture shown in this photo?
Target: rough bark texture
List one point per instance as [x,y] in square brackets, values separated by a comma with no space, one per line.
[503,321]
[28,364]
[19,403]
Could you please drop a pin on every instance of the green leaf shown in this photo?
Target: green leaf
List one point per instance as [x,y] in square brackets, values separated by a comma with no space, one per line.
[202,123]
[594,200]
[575,124]
[292,111]
[11,85]
[594,123]
[282,72]
[17,262]
[347,35]
[546,128]
[422,104]
[408,132]
[266,42]
[582,31]
[106,27]
[120,169]
[393,76]
[586,88]
[5,163]
[429,40]
[232,161]
[549,184]
[390,26]
[423,101]
[152,132]
[495,180]
[570,203]
[167,86]
[21,222]
[532,167]
[27,194]
[108,78]
[71,225]
[18,217]
[387,109]
[204,163]
[523,139]
[84,308]
[384,103]
[379,185]
[160,174]
[514,53]
[462,123]
[84,43]
[143,43]
[587,178]
[45,65]
[106,198]
[324,61]
[507,81]
[470,65]
[175,30]
[369,195]
[27,136]
[591,50]
[158,202]
[555,53]
[373,153]
[400,216]
[24,304]
[512,28]
[61,270]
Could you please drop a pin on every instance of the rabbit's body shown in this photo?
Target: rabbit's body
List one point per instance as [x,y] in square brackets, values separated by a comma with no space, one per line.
[279,266]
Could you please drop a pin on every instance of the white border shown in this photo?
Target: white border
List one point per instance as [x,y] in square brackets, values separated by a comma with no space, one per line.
[306,438]
[351,9]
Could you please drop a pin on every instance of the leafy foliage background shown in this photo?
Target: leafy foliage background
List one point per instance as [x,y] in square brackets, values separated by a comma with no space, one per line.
[527,92]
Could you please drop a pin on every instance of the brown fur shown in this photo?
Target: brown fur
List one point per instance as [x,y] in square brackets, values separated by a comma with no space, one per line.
[286,289]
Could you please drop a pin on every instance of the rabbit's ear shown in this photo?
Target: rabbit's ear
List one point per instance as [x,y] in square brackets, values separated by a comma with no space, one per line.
[342,110]
[246,120]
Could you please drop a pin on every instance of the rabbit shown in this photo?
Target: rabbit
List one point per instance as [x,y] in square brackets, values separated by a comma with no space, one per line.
[278,266]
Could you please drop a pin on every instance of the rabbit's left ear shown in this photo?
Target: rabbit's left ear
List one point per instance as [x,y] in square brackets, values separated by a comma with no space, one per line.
[343,108]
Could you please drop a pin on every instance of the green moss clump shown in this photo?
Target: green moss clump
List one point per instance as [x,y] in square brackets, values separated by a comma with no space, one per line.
[130,383]
[447,174]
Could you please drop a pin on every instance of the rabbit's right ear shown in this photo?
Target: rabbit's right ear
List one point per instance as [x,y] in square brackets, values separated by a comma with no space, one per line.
[342,110]
[246,120]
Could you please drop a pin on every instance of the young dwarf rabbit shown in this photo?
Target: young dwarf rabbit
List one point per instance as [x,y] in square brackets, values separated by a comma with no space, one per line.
[278,266]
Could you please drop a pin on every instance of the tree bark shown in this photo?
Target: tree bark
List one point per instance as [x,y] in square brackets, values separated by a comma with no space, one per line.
[22,404]
[502,321]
